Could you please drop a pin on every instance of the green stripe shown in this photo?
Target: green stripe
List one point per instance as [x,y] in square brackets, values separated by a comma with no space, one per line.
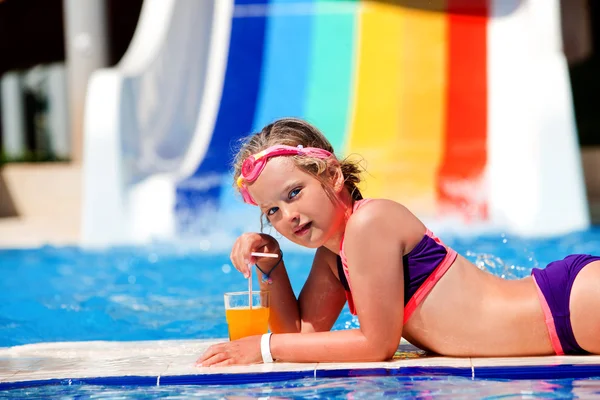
[330,83]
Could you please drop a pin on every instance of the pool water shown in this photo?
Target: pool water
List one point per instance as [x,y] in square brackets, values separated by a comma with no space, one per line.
[169,291]
[357,388]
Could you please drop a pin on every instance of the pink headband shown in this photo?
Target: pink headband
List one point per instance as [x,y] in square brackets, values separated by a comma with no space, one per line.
[254,164]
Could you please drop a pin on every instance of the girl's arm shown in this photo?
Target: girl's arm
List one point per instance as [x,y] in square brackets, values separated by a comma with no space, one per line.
[320,301]
[374,248]
[319,304]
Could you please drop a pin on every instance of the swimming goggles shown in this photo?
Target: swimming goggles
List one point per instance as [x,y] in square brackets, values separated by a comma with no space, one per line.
[254,164]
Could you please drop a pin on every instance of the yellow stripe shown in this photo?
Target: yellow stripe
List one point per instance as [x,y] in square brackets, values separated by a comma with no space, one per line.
[398,116]
[423,113]
[375,120]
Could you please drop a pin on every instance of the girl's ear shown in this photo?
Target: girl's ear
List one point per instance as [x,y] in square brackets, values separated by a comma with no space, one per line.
[337,177]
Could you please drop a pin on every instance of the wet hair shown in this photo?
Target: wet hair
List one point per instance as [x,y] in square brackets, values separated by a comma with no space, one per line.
[294,132]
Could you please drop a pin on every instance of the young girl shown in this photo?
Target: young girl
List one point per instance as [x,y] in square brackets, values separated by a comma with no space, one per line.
[397,276]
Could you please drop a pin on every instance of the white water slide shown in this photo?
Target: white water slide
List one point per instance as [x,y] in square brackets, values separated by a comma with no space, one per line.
[165,91]
[153,122]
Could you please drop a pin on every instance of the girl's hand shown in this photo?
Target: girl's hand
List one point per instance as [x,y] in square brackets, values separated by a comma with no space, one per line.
[248,243]
[238,352]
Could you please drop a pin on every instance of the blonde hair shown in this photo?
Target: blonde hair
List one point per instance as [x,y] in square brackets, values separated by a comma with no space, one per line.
[294,132]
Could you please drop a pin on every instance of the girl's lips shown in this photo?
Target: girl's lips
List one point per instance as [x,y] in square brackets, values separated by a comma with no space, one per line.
[301,230]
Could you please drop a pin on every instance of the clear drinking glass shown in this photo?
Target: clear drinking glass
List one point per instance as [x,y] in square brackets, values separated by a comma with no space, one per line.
[247,314]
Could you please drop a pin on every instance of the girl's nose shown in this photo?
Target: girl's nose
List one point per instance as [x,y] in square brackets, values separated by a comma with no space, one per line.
[291,215]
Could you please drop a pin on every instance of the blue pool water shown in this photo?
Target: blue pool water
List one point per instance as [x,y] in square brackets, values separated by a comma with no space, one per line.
[367,388]
[174,292]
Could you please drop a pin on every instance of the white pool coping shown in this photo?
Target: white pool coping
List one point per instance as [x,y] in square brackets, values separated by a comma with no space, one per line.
[173,362]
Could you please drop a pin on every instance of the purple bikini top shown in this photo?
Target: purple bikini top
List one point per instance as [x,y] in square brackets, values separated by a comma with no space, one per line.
[423,266]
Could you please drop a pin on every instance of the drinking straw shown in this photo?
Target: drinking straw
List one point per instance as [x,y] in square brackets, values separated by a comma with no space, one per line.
[250,286]
[270,255]
[256,254]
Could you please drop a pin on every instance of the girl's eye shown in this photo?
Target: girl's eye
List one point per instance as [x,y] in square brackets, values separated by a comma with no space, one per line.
[294,193]
[272,211]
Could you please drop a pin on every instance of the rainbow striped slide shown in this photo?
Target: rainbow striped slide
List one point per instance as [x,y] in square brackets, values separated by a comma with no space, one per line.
[459,107]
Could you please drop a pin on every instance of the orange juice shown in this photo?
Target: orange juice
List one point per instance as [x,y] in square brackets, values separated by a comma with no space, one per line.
[244,321]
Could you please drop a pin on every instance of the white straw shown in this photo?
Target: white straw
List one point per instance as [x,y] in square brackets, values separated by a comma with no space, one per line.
[250,286]
[270,255]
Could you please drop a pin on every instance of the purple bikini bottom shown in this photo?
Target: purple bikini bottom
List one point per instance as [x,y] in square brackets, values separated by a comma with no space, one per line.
[554,285]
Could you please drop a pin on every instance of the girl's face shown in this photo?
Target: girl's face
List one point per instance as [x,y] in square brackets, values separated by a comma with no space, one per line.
[297,205]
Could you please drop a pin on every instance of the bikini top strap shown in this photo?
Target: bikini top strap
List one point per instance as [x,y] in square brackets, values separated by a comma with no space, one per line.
[342,274]
[435,238]
[356,206]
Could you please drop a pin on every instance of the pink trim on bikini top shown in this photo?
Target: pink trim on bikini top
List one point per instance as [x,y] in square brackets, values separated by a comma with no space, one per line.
[549,319]
[425,287]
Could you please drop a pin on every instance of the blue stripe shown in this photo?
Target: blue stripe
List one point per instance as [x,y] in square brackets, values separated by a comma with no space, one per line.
[513,373]
[539,372]
[235,116]
[401,371]
[240,90]
[285,74]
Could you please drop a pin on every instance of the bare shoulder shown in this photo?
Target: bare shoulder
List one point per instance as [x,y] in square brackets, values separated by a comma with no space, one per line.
[384,213]
[387,220]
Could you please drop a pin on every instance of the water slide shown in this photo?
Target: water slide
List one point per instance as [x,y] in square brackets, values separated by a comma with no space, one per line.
[461,108]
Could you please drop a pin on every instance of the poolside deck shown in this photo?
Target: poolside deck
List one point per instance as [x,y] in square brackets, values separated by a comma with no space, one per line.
[165,362]
[40,203]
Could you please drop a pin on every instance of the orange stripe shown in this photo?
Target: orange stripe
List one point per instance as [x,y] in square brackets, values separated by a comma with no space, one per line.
[420,142]
[461,186]
[398,119]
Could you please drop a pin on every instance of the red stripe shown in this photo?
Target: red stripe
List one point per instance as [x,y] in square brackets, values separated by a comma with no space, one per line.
[461,187]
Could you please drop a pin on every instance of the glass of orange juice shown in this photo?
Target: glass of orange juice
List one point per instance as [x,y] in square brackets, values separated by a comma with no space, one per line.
[247,314]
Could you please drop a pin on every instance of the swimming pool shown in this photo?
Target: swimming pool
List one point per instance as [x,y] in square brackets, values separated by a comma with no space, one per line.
[345,388]
[167,291]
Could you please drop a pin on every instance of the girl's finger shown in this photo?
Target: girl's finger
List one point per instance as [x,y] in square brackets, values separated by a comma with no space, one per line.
[211,351]
[248,259]
[224,363]
[257,245]
[232,255]
[236,257]
[244,264]
[213,359]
